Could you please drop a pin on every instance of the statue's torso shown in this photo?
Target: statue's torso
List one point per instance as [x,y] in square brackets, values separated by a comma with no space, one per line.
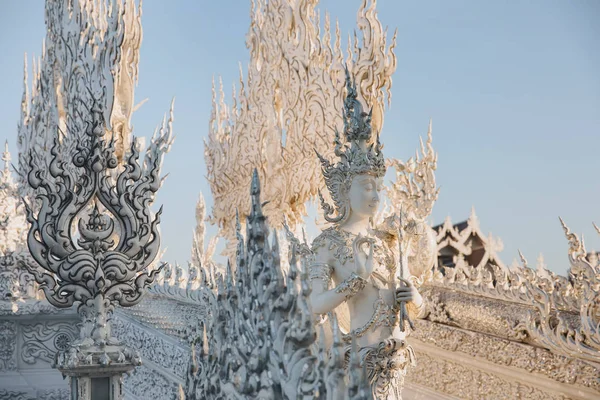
[372,315]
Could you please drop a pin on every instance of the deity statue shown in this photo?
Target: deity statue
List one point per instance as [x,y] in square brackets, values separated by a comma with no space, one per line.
[356,269]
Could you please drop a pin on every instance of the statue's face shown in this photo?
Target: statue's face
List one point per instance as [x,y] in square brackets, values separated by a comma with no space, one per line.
[364,195]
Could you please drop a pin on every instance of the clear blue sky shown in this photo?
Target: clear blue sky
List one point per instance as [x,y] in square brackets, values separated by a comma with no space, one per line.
[513,89]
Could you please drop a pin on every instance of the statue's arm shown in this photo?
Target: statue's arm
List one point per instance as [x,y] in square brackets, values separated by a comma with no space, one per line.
[323,299]
[415,311]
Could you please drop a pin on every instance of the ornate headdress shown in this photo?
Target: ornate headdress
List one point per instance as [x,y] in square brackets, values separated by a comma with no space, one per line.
[356,156]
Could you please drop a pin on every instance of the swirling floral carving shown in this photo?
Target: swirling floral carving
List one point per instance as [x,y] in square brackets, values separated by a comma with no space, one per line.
[469,383]
[93,235]
[42,340]
[14,395]
[145,383]
[8,345]
[154,347]
[54,394]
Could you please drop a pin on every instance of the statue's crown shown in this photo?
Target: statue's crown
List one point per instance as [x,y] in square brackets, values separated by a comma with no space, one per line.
[357,123]
[357,156]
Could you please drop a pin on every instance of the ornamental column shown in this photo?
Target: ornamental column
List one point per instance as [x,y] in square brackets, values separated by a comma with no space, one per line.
[93,239]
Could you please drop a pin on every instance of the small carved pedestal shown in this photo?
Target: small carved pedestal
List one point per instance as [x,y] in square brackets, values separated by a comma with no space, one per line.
[97,382]
[96,362]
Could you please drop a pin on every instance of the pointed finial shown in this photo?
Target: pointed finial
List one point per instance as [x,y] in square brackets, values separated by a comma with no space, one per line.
[514,265]
[473,214]
[25,97]
[523,259]
[448,220]
[564,226]
[541,263]
[276,267]
[255,186]
[256,206]
[228,278]
[6,158]
[238,226]
[357,123]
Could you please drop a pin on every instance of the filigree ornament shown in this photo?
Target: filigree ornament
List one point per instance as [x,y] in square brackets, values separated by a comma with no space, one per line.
[8,345]
[351,286]
[415,190]
[16,283]
[13,226]
[87,265]
[551,327]
[42,340]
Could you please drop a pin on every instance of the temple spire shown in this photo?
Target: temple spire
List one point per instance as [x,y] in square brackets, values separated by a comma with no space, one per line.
[255,222]
[25,97]
[6,159]
[6,156]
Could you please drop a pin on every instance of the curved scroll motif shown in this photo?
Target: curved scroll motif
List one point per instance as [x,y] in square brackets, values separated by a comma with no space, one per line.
[92,232]
[94,264]
[42,341]
[100,267]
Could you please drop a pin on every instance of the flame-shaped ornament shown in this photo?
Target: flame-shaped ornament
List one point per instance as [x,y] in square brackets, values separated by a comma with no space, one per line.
[94,238]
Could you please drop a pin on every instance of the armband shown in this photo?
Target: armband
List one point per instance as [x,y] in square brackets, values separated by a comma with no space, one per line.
[351,286]
[320,271]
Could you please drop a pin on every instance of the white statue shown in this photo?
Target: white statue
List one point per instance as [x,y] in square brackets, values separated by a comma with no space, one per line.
[355,270]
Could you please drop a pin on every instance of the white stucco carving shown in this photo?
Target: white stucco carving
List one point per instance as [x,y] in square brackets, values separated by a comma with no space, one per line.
[490,331]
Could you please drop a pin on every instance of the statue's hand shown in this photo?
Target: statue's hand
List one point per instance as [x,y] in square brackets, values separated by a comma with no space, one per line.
[408,292]
[363,269]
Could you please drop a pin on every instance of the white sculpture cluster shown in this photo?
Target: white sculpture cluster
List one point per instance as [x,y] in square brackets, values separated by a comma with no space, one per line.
[259,340]
[288,106]
[95,237]
[279,359]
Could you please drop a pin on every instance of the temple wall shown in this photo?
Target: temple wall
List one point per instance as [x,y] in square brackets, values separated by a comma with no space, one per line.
[466,357]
